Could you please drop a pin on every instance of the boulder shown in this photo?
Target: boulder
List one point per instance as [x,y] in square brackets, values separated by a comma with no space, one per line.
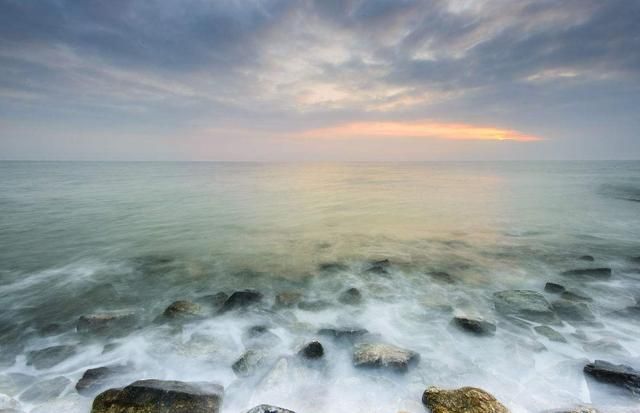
[157,396]
[474,325]
[617,375]
[266,408]
[525,304]
[288,299]
[312,350]
[386,356]
[463,400]
[105,322]
[182,309]
[241,299]
[349,334]
[48,357]
[554,288]
[573,311]
[351,296]
[550,333]
[589,273]
[45,390]
[248,363]
[94,380]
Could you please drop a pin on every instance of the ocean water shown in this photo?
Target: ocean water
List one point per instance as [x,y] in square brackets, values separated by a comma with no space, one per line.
[84,238]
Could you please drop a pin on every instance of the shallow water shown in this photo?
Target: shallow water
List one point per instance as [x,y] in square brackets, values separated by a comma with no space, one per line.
[84,238]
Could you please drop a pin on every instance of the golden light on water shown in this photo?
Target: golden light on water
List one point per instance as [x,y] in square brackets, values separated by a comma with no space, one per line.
[420,129]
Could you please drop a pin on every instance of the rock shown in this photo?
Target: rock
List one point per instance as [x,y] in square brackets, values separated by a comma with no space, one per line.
[48,357]
[385,356]
[379,267]
[550,333]
[587,258]
[45,390]
[618,375]
[589,273]
[241,299]
[312,350]
[352,296]
[215,301]
[576,409]
[571,296]
[248,363]
[442,276]
[182,309]
[475,326]
[317,305]
[94,380]
[606,346]
[13,383]
[105,322]
[259,337]
[350,334]
[52,329]
[288,299]
[266,408]
[157,396]
[463,400]
[332,267]
[554,288]
[526,304]
[573,311]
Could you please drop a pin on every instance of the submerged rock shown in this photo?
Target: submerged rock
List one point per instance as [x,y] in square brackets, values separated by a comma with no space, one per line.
[316,305]
[332,267]
[182,309]
[259,337]
[526,304]
[618,375]
[379,355]
[94,380]
[105,322]
[248,363]
[589,273]
[550,333]
[442,276]
[477,326]
[606,346]
[463,400]
[45,390]
[241,299]
[312,350]
[214,301]
[288,299]
[587,258]
[573,311]
[379,267]
[350,334]
[157,396]
[554,288]
[571,296]
[351,296]
[48,357]
[266,408]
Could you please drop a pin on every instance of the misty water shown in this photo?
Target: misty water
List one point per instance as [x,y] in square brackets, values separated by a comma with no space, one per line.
[131,238]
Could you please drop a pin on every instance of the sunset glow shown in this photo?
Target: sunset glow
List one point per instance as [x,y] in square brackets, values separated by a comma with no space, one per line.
[422,129]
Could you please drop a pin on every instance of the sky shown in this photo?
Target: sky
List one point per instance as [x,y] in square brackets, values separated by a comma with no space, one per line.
[324,80]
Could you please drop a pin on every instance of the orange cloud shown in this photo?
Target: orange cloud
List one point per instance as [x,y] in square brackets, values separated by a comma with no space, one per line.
[420,129]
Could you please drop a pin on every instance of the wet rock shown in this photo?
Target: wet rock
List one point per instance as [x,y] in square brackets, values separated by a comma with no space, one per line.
[575,409]
[554,288]
[288,299]
[477,326]
[105,322]
[386,356]
[589,273]
[215,301]
[352,296]
[526,304]
[571,296]
[312,350]
[617,375]
[379,267]
[349,334]
[248,363]
[94,380]
[332,267]
[45,390]
[465,399]
[550,333]
[259,337]
[316,305]
[48,357]
[573,311]
[241,299]
[266,408]
[182,309]
[52,329]
[587,258]
[157,396]
[442,276]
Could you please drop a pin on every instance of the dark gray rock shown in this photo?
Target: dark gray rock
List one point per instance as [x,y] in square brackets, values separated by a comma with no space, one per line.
[573,311]
[266,408]
[587,258]
[550,333]
[385,356]
[477,326]
[157,396]
[351,296]
[48,357]
[554,288]
[97,379]
[350,334]
[571,296]
[618,375]
[182,309]
[525,304]
[242,299]
[312,350]
[589,273]
[45,390]
[106,322]
[248,363]
[379,267]
[332,267]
